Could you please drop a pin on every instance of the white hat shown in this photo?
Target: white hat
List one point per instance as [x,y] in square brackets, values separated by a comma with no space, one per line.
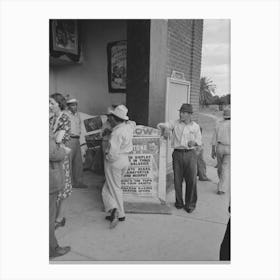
[71,100]
[120,111]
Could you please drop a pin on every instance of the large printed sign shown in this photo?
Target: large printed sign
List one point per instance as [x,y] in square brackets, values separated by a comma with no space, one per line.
[143,175]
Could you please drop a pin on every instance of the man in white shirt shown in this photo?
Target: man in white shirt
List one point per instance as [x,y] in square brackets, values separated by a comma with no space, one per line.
[221,150]
[116,162]
[76,155]
[186,141]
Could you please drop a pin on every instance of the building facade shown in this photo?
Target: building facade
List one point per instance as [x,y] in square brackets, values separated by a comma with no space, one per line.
[155,49]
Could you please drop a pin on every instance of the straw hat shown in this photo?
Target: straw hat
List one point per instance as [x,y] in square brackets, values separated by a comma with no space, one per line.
[120,111]
[71,100]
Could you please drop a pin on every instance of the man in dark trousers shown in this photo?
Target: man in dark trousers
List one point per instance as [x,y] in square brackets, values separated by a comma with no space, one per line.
[56,183]
[186,141]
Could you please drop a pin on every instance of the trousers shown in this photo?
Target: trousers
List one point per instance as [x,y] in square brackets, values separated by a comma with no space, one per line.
[76,162]
[185,168]
[112,193]
[52,214]
[225,245]
[201,166]
[223,159]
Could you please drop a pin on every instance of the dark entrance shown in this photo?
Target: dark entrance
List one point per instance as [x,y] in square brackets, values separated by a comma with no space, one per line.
[138,65]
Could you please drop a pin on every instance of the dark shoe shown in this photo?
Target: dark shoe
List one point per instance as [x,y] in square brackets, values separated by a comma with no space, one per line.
[179,206]
[80,186]
[122,219]
[189,210]
[60,223]
[204,179]
[60,251]
[220,192]
[114,218]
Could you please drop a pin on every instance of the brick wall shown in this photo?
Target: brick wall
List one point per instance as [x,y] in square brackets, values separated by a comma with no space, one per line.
[184,46]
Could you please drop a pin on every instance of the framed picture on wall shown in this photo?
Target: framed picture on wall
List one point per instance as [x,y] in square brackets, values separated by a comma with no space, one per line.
[65,36]
[117,56]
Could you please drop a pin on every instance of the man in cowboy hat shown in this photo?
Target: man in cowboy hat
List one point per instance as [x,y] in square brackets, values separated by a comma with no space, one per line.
[186,141]
[221,150]
[76,155]
[116,162]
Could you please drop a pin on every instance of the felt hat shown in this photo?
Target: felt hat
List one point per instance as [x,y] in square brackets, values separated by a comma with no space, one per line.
[186,108]
[120,111]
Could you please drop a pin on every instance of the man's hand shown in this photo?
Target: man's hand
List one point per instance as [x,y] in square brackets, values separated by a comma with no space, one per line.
[213,153]
[191,144]
[67,150]
[165,133]
[106,132]
[198,150]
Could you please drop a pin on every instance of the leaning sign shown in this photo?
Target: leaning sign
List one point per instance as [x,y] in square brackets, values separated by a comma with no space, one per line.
[145,177]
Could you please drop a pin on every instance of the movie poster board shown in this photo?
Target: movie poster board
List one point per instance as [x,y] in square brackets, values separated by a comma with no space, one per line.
[145,177]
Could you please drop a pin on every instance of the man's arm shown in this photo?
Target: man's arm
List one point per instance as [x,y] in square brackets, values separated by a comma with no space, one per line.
[214,144]
[197,141]
[166,128]
[114,147]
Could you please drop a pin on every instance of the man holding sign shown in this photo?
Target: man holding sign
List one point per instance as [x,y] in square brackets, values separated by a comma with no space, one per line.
[186,141]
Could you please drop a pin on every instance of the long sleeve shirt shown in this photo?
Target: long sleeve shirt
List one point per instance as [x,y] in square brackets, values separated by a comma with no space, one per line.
[222,133]
[120,141]
[182,133]
[75,123]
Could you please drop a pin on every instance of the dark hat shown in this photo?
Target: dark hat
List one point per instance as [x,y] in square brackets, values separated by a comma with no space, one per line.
[186,108]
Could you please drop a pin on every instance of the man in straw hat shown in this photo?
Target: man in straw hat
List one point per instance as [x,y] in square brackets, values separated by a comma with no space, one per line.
[186,141]
[116,162]
[221,150]
[76,155]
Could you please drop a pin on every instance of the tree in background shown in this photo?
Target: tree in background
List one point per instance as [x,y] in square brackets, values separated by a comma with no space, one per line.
[207,95]
[207,89]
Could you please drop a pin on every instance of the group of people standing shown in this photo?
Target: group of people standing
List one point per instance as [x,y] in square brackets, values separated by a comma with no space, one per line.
[66,161]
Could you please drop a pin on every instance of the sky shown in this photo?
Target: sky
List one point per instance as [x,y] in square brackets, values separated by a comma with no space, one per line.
[215,64]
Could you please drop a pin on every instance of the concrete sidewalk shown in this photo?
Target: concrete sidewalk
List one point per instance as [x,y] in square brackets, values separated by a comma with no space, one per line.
[144,237]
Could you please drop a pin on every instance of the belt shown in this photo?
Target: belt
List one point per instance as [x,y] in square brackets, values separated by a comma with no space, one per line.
[223,144]
[75,136]
[182,150]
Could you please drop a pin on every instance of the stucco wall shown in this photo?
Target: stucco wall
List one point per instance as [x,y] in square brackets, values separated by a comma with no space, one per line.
[88,81]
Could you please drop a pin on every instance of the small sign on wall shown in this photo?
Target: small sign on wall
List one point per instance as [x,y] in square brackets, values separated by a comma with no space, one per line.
[117,69]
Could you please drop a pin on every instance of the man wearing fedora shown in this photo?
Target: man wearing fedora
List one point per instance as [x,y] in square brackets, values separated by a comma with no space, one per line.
[221,151]
[76,155]
[186,141]
[116,162]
